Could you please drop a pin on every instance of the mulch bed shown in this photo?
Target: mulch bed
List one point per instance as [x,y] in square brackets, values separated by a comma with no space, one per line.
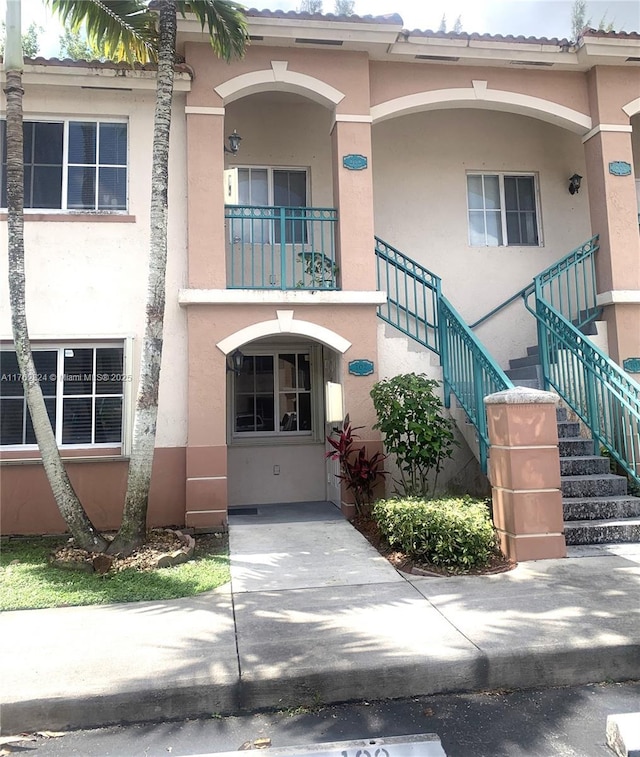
[161,543]
[369,529]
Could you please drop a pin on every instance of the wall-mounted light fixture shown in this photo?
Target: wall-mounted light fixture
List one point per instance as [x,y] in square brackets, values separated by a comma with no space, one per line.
[234,143]
[574,184]
[235,362]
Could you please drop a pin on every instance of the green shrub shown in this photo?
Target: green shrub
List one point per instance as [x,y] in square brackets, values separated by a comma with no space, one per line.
[452,532]
[415,431]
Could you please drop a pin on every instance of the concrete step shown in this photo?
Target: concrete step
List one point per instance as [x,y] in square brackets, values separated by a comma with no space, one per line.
[602,485]
[568,430]
[528,372]
[533,350]
[524,362]
[596,508]
[625,530]
[585,465]
[575,447]
[528,383]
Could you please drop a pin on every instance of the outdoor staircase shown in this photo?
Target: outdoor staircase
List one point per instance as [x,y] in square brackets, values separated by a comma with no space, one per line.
[563,299]
[527,371]
[597,508]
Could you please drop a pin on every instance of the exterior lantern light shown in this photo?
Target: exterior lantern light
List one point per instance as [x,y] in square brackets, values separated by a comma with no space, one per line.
[235,362]
[234,143]
[574,184]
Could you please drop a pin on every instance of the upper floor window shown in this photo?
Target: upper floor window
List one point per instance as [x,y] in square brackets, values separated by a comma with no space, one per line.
[502,210]
[71,165]
[83,388]
[275,187]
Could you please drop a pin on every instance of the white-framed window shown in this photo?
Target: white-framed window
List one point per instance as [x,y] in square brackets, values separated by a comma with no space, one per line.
[85,389]
[274,187]
[275,394]
[503,210]
[71,165]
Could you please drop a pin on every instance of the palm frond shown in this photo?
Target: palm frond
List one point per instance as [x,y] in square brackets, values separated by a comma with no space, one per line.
[225,22]
[122,29]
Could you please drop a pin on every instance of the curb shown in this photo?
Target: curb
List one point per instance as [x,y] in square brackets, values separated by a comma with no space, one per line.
[515,669]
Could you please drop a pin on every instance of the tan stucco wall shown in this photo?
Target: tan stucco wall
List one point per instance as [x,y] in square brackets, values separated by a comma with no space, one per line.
[345,71]
[28,506]
[420,164]
[252,480]
[90,278]
[286,131]
[392,80]
[610,89]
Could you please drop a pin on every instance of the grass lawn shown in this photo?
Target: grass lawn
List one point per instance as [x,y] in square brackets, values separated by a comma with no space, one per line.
[28,581]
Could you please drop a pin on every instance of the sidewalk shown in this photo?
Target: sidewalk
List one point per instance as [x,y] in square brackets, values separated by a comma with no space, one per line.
[314,614]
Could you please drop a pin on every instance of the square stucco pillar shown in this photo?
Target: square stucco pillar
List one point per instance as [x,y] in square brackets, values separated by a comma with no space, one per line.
[206,485]
[353,196]
[205,192]
[524,470]
[613,207]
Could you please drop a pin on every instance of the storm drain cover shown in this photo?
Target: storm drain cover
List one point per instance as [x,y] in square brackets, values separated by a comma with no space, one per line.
[424,745]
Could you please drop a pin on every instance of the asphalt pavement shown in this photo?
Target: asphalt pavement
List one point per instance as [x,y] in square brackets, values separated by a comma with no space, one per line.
[557,722]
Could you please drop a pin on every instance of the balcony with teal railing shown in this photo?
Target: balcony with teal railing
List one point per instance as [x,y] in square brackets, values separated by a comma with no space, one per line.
[281,248]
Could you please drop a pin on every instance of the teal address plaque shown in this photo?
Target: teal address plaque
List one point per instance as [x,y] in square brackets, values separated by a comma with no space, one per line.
[361,367]
[631,364]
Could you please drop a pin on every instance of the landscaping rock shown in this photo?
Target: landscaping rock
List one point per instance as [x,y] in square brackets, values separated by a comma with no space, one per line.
[86,567]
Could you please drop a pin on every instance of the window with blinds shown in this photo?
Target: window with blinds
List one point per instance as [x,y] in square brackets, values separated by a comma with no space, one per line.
[71,165]
[83,388]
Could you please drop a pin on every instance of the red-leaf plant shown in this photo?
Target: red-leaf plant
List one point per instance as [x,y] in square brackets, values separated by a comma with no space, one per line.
[359,472]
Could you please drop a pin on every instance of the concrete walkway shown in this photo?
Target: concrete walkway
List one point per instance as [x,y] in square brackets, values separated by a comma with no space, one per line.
[314,614]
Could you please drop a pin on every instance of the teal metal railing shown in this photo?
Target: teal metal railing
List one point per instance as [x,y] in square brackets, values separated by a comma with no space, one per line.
[415,305]
[281,248]
[569,286]
[412,295]
[469,372]
[605,398]
[524,292]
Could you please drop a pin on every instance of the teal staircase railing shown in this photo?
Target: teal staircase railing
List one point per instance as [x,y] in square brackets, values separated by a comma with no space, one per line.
[469,372]
[569,285]
[605,398]
[413,293]
[415,305]
[281,247]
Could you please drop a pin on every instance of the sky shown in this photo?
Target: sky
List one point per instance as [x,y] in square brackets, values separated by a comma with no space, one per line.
[538,18]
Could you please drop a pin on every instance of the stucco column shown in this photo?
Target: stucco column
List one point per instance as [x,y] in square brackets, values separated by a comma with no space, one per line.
[206,486]
[524,471]
[614,216]
[353,197]
[205,192]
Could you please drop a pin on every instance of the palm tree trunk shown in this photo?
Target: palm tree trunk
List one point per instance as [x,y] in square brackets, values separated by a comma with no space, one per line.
[68,503]
[134,519]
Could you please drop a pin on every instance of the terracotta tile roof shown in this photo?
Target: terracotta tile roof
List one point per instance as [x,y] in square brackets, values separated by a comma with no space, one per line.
[611,35]
[392,18]
[487,37]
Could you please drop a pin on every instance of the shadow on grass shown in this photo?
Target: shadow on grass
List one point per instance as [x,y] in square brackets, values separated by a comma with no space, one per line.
[28,581]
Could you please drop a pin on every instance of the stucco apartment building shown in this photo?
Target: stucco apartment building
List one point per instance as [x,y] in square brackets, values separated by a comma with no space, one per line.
[455,150]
